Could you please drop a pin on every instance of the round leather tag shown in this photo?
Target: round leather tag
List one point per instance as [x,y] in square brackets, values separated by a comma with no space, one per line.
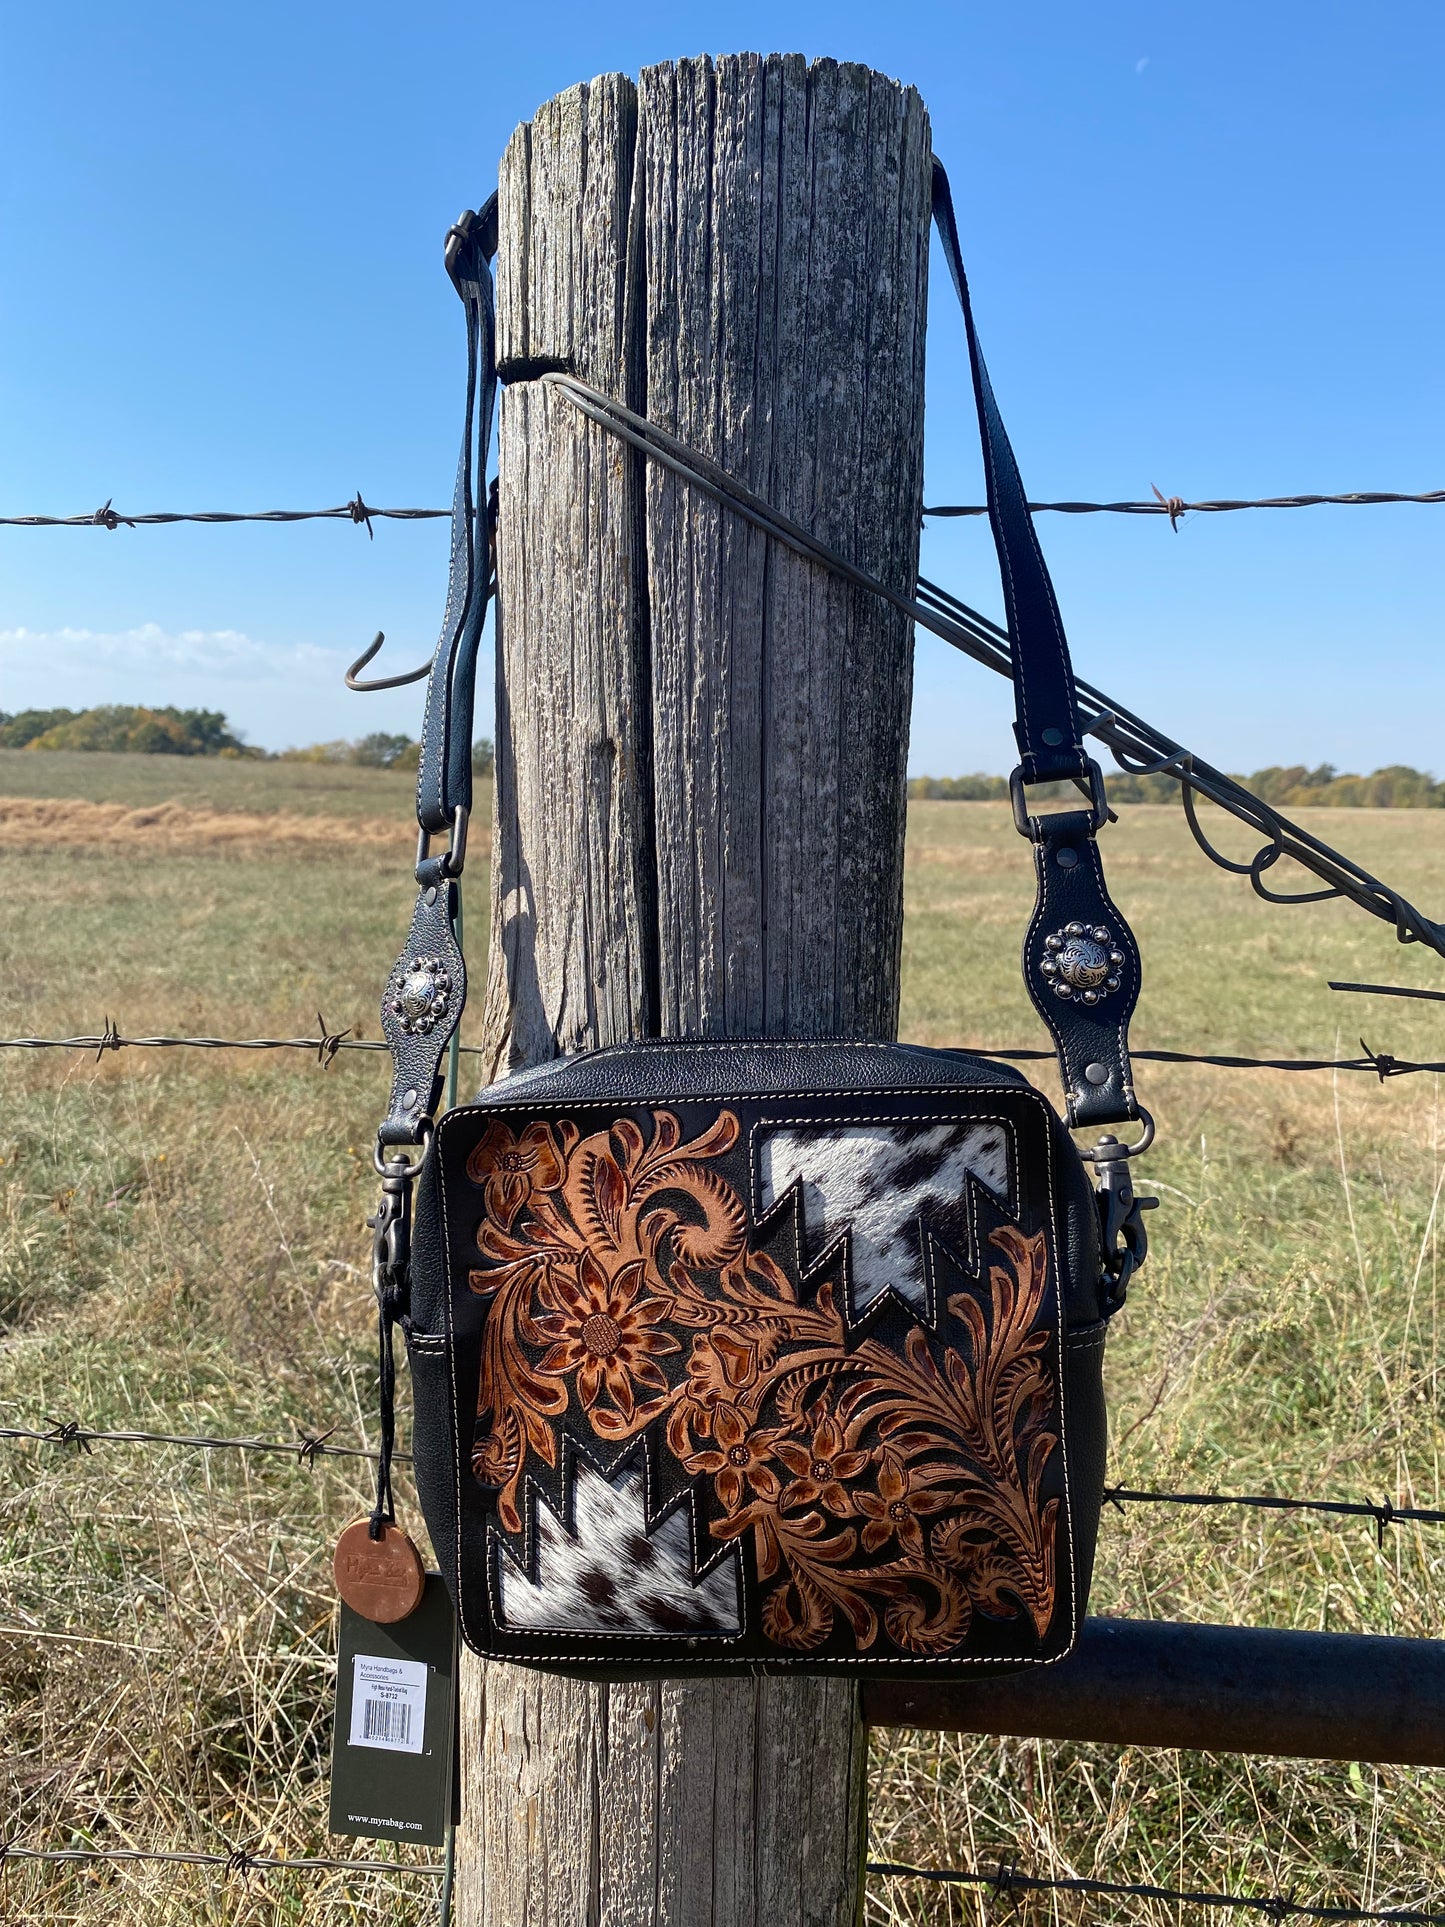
[382,1579]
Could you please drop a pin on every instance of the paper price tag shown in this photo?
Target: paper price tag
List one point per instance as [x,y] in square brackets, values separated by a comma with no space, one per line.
[388,1703]
[393,1757]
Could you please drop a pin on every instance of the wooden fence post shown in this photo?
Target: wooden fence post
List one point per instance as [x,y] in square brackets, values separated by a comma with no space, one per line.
[699,810]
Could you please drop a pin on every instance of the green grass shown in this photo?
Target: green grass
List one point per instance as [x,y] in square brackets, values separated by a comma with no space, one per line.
[181,1247]
[206,782]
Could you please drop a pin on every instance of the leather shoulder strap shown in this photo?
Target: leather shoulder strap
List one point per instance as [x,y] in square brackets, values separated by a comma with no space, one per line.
[444,772]
[1080,965]
[1047,717]
[1080,961]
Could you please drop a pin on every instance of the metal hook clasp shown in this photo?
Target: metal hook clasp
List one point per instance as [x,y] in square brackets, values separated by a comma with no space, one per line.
[1122,1233]
[381,682]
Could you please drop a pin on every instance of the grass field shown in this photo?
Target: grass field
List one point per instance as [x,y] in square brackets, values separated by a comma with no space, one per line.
[181,1248]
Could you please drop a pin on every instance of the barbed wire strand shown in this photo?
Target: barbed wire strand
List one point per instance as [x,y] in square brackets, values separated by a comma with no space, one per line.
[361,512]
[1002,1881]
[310,1446]
[106,517]
[326,1046]
[237,1860]
[1006,1880]
[305,1449]
[1382,1512]
[1175,507]
[329,1044]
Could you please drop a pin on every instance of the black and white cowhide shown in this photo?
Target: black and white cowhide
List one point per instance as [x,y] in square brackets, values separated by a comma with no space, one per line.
[612,1575]
[884,1185]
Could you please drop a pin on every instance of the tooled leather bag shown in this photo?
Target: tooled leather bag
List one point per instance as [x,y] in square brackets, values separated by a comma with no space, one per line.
[763,1354]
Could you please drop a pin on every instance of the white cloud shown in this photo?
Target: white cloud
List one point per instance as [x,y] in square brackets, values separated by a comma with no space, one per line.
[150,652]
[276,694]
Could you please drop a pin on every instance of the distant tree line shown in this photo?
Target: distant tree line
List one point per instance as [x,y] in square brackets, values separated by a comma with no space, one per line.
[123,726]
[1396,788]
[137,731]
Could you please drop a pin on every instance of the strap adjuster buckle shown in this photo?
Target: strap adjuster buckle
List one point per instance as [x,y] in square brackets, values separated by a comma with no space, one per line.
[1098,799]
[454,858]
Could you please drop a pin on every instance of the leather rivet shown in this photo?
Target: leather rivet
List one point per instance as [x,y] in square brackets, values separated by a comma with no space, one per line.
[1096,1074]
[408,1103]
[1053,737]
[431,895]
[1066,858]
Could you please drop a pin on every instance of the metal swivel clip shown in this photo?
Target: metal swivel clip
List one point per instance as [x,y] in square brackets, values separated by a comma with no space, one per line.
[391,1236]
[1122,1231]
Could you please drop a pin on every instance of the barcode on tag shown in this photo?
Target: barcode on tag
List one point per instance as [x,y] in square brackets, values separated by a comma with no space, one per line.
[385,1724]
[388,1703]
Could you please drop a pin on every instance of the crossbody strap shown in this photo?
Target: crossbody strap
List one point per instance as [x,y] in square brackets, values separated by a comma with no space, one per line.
[1080,962]
[1046,723]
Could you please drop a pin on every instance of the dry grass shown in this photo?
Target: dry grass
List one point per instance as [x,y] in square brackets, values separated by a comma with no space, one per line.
[181,1247]
[174,828]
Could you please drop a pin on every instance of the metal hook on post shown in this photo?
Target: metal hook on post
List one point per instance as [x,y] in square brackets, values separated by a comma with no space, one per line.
[381,682]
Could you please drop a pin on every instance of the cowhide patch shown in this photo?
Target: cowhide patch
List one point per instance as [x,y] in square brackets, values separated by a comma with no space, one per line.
[614,1576]
[884,1185]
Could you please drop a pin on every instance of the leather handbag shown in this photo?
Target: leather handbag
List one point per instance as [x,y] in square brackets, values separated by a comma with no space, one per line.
[769,1353]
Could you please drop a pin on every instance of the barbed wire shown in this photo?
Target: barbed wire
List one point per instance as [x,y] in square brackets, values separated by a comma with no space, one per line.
[1003,1881]
[326,1046]
[305,1449]
[106,517]
[359,511]
[1382,1511]
[1006,1880]
[312,1445]
[1175,507]
[1380,1062]
[236,1860]
[330,1043]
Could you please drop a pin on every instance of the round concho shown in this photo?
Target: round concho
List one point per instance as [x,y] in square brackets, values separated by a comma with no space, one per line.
[418,994]
[1082,961]
[382,1579]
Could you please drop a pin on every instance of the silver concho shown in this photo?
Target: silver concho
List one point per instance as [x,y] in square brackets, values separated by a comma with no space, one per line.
[418,993]
[1083,962]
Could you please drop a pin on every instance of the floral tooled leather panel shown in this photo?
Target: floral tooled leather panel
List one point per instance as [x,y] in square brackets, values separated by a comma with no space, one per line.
[785,1385]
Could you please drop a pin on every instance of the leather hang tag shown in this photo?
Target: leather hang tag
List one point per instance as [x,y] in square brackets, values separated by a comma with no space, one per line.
[383,1579]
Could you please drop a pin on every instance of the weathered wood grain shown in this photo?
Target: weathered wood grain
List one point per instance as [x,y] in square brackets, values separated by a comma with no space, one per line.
[569,961]
[786,267]
[700,753]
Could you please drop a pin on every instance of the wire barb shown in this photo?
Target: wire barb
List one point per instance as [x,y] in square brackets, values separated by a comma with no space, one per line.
[1172,505]
[330,1042]
[308,1446]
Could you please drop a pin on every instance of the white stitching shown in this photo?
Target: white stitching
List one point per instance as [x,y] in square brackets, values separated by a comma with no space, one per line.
[1025,1090]
[516,1644]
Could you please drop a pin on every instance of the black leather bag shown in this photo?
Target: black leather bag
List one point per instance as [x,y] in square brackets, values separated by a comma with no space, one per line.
[772,1353]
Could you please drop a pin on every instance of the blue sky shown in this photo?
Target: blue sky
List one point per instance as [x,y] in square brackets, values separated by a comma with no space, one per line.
[1205,247]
